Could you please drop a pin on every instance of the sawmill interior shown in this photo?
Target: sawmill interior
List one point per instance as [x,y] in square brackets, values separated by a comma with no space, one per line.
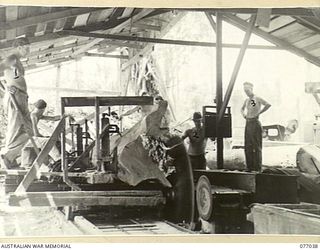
[146,121]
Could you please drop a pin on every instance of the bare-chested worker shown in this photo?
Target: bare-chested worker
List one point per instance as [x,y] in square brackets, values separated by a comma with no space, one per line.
[198,143]
[40,140]
[19,124]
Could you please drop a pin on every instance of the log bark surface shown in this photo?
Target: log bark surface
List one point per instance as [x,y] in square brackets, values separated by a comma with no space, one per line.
[135,164]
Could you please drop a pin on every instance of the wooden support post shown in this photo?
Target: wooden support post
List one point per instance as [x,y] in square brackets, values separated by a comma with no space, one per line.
[97,120]
[64,163]
[263,17]
[237,67]
[219,88]
[58,85]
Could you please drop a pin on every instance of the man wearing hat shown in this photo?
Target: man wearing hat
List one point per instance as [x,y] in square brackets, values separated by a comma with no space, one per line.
[19,124]
[198,142]
[251,109]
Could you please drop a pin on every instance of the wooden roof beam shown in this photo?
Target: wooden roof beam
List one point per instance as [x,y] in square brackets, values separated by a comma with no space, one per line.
[76,45]
[120,44]
[306,12]
[105,55]
[53,16]
[82,91]
[146,26]
[116,29]
[34,39]
[94,27]
[55,49]
[162,41]
[311,23]
[137,39]
[238,22]
[58,35]
[47,58]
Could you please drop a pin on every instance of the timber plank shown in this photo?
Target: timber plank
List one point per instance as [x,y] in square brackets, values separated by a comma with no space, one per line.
[70,194]
[269,219]
[24,172]
[84,198]
[293,33]
[278,22]
[308,41]
[107,101]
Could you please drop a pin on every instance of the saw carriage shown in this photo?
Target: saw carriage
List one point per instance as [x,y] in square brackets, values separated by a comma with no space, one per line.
[114,169]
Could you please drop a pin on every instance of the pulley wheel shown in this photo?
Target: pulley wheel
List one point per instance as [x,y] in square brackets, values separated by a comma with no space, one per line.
[204,198]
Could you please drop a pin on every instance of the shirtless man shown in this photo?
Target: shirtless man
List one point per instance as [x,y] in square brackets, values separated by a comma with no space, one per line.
[37,114]
[251,109]
[19,126]
[40,140]
[198,143]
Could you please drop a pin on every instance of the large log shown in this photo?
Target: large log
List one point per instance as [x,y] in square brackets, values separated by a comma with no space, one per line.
[135,164]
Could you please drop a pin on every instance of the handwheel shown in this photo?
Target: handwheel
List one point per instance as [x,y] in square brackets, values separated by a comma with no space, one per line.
[204,198]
